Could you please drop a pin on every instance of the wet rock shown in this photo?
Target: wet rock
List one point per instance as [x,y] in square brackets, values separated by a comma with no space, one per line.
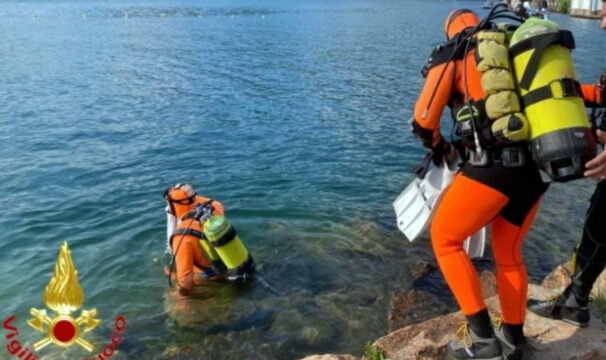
[559,278]
[547,339]
[331,357]
[411,307]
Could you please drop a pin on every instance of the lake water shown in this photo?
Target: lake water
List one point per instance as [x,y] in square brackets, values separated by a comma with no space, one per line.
[294,114]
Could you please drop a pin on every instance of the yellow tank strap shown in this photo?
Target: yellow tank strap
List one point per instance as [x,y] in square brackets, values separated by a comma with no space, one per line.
[557,89]
[539,44]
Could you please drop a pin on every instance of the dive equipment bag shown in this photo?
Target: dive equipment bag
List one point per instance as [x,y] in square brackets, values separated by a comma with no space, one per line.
[560,133]
[229,248]
[502,105]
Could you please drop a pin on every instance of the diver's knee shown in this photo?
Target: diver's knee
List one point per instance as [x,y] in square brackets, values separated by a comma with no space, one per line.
[443,242]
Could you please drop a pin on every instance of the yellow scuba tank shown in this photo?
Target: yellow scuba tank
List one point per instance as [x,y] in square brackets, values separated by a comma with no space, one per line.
[560,133]
[213,258]
[228,246]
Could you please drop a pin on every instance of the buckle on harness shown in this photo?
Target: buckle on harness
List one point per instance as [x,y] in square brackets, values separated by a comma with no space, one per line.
[567,87]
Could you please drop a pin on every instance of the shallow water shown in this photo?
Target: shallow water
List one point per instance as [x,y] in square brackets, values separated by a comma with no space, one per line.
[293,114]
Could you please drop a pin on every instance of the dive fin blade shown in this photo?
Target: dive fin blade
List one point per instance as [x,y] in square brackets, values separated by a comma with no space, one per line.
[415,206]
[475,244]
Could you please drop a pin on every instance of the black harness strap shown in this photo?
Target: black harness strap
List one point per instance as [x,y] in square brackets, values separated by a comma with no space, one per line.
[569,88]
[446,52]
[539,44]
[192,232]
[226,238]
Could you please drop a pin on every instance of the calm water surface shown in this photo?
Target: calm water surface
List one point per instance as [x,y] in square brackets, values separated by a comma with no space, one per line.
[292,113]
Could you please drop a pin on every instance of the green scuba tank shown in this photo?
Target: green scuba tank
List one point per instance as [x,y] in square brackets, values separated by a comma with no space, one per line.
[228,246]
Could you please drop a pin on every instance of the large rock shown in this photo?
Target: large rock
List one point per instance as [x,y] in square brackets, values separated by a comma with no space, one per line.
[331,357]
[489,283]
[408,307]
[548,339]
[559,279]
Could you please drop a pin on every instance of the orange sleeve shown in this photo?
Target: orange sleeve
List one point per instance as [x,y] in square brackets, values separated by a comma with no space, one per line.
[185,265]
[430,105]
[592,94]
[219,210]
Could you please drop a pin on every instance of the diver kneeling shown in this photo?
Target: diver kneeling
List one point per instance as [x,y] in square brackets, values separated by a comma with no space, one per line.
[203,244]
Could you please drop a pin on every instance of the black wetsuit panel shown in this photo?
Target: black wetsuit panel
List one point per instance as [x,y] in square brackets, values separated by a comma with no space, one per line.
[591,253]
[523,186]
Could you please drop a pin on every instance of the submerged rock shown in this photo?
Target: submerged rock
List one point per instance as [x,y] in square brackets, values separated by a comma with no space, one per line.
[313,328]
[421,268]
[547,339]
[411,307]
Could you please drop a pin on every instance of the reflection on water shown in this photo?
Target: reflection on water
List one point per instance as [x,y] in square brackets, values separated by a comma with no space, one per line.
[293,114]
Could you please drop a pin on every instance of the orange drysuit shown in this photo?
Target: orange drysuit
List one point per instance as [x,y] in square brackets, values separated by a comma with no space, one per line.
[190,259]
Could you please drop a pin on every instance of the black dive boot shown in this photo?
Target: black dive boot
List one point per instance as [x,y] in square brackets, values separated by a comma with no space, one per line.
[477,344]
[512,340]
[567,306]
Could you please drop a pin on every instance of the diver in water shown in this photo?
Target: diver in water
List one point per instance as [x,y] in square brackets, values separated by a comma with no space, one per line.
[589,257]
[186,238]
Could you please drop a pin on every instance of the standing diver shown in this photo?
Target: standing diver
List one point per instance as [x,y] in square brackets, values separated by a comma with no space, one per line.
[509,128]
[498,190]
[589,257]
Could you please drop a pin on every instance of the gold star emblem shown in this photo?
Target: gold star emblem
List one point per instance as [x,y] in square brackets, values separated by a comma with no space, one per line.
[64,296]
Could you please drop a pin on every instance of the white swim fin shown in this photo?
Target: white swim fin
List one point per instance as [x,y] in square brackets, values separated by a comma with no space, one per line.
[416,205]
[475,244]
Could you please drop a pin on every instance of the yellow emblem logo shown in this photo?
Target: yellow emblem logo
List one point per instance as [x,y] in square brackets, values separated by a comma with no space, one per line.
[64,296]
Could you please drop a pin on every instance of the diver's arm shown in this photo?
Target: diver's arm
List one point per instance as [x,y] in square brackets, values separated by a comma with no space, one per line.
[218,206]
[593,94]
[431,103]
[185,268]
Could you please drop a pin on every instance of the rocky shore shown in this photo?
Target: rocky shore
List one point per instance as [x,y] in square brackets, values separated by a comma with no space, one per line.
[417,333]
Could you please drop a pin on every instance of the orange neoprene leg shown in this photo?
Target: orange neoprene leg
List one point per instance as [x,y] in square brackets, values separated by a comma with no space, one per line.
[466,207]
[512,280]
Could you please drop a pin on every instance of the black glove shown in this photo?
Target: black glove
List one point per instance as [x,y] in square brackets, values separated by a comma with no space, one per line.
[441,151]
